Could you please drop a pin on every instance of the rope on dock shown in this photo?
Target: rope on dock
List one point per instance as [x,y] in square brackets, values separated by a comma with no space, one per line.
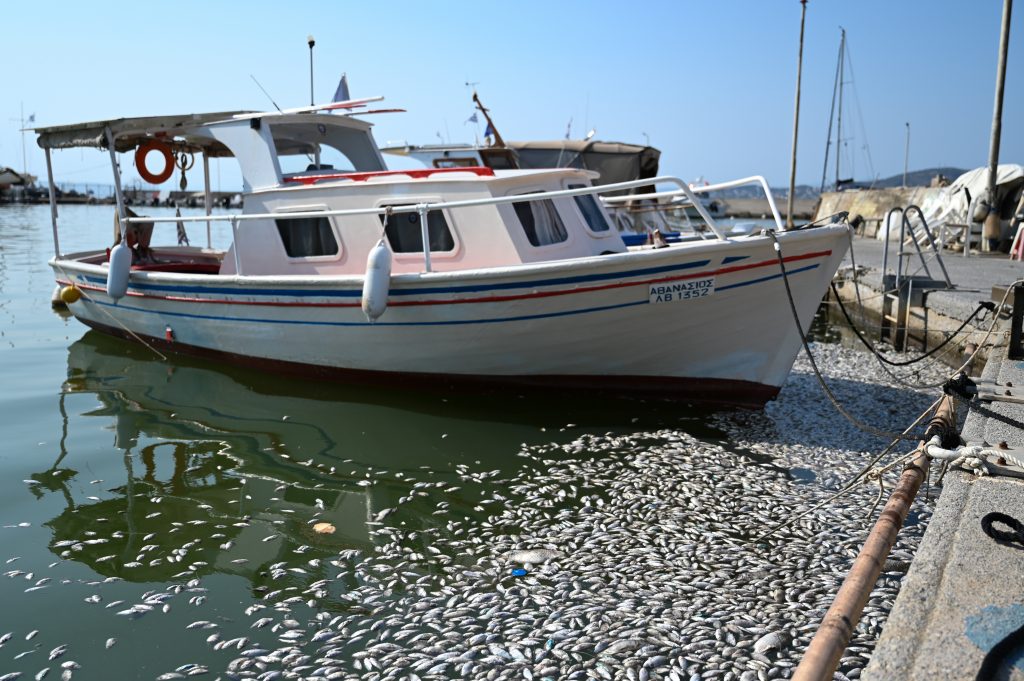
[972,457]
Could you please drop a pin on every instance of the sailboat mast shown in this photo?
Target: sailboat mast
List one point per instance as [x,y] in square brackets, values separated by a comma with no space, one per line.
[839,112]
[831,118]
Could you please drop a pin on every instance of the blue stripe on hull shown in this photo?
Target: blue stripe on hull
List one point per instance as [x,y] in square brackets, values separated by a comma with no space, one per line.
[355,293]
[496,320]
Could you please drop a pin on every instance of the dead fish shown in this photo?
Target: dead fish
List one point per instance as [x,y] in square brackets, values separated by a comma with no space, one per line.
[204,624]
[771,641]
[534,556]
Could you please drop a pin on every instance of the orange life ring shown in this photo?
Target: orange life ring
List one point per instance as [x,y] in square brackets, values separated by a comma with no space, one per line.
[140,161]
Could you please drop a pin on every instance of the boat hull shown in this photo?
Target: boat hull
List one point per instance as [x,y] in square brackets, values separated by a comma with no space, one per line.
[701,322]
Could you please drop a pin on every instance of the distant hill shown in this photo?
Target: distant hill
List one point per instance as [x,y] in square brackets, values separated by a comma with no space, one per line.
[918,178]
[801,191]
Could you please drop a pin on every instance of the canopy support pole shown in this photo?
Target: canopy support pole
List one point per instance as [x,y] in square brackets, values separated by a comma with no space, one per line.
[117,174]
[53,203]
[206,196]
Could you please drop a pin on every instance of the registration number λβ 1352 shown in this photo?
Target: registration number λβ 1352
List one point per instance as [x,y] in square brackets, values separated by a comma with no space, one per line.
[675,291]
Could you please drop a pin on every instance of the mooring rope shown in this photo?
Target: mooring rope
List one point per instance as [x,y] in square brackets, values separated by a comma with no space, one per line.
[882,361]
[864,474]
[983,305]
[867,428]
[104,310]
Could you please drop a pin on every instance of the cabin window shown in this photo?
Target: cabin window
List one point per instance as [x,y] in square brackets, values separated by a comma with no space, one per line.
[307,237]
[541,221]
[405,236]
[456,162]
[587,204]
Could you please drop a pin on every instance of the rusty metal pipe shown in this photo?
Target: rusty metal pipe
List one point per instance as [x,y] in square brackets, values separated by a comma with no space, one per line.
[833,636]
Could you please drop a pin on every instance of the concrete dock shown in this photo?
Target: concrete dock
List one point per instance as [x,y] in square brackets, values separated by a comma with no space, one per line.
[964,592]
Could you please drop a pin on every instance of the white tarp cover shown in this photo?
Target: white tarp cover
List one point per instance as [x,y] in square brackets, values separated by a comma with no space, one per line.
[975,182]
[952,203]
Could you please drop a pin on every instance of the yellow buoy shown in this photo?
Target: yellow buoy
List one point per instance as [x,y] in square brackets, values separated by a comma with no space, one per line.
[70,294]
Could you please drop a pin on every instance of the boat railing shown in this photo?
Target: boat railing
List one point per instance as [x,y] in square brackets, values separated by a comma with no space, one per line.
[423,208]
[687,192]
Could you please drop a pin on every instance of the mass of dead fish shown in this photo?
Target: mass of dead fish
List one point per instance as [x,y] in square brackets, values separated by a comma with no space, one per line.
[636,555]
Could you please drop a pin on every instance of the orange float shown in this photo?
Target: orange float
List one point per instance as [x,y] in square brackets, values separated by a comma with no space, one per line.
[140,161]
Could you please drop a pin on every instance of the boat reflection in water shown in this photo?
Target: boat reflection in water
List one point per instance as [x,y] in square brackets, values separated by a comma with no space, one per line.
[220,470]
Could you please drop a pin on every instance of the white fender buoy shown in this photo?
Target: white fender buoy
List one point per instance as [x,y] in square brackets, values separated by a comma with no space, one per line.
[120,267]
[377,281]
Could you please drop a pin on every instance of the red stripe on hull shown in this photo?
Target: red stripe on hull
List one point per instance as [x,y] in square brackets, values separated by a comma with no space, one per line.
[459,301]
[715,392]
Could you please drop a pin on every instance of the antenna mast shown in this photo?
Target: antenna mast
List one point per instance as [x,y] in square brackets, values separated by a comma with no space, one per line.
[498,141]
[24,162]
[311,43]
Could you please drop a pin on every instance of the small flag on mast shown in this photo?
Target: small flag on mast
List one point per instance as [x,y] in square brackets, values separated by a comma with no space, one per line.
[472,119]
[341,94]
[182,236]
[489,130]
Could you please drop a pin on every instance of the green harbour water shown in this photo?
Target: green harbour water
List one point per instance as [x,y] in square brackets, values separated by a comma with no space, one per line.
[114,459]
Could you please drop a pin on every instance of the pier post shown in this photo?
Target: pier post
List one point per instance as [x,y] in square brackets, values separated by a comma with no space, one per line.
[991,231]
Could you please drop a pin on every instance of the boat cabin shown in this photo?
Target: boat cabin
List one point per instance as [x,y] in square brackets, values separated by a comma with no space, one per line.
[299,164]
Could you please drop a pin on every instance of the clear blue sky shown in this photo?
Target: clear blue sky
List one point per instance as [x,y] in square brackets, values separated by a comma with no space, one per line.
[710,83]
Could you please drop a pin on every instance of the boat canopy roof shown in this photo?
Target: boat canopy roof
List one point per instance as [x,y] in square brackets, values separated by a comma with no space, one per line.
[615,161]
[130,132]
[257,140]
[582,146]
[296,131]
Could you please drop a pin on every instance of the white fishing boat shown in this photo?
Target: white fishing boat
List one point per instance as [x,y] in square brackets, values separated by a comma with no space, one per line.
[464,275]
